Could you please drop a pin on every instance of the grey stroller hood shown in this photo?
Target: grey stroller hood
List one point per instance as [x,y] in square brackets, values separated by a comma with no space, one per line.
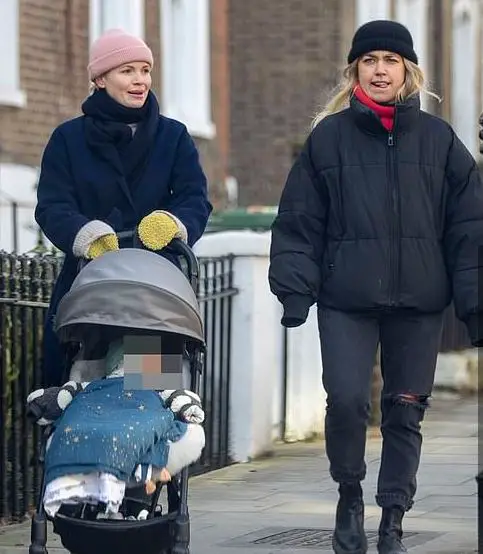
[130,288]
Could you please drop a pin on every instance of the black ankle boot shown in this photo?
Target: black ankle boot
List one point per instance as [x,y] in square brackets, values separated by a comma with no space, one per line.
[390,532]
[349,536]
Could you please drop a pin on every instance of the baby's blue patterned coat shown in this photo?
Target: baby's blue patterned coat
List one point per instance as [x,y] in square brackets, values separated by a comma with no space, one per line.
[108,429]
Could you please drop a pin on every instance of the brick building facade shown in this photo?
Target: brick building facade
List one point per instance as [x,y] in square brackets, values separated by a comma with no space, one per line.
[283,57]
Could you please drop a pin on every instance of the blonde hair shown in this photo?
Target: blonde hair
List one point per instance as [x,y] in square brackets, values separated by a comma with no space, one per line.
[414,83]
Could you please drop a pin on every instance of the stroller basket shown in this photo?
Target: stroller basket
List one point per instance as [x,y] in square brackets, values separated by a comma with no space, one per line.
[100,537]
[131,289]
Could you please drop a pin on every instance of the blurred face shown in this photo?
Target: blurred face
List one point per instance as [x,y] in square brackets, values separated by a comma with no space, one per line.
[381,75]
[128,84]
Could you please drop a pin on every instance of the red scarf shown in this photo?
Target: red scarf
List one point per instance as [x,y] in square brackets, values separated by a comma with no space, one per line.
[385,113]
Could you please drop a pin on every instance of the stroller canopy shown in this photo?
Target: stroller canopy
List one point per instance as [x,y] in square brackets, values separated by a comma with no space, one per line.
[130,288]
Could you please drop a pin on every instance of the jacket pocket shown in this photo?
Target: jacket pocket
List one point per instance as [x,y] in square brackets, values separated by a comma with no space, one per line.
[329,260]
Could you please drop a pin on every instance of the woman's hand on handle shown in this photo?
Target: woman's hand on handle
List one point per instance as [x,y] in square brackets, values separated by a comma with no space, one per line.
[94,239]
[106,243]
[159,228]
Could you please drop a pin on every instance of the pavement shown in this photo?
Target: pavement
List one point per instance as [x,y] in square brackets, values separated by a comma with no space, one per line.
[286,503]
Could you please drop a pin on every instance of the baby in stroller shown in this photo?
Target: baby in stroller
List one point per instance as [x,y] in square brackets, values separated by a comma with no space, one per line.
[106,437]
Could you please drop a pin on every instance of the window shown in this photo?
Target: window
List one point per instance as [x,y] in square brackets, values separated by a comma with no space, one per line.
[10,93]
[464,112]
[185,64]
[116,14]
[369,10]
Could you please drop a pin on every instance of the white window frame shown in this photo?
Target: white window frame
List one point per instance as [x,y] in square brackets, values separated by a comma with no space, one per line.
[185,64]
[10,91]
[369,10]
[465,58]
[127,15]
[414,15]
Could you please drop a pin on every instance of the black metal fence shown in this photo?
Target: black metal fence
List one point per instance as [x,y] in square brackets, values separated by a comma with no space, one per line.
[25,287]
[215,293]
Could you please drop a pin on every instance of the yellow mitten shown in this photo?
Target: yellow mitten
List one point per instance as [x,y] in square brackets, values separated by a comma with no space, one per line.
[102,245]
[157,230]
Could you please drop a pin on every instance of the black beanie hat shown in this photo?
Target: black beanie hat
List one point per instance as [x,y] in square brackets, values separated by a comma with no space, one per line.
[382,35]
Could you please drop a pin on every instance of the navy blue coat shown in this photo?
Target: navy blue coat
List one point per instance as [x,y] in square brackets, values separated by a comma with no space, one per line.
[76,186]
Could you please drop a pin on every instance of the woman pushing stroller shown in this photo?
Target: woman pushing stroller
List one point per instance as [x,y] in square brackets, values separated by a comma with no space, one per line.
[121,165]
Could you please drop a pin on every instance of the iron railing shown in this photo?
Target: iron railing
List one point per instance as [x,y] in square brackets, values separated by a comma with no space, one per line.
[25,287]
[215,293]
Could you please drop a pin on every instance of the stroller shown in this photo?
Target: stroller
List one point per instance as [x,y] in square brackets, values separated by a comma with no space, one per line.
[130,290]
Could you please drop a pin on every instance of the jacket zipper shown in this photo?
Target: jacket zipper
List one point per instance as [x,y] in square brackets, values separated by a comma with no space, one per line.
[393,197]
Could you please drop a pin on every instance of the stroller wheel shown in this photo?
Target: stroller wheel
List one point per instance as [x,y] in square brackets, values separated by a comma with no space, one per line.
[181,543]
[37,549]
[179,549]
[38,535]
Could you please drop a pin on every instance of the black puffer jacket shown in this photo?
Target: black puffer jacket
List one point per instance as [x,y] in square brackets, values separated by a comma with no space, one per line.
[371,220]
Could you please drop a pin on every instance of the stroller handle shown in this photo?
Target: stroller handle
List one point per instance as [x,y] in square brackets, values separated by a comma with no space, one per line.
[177,246]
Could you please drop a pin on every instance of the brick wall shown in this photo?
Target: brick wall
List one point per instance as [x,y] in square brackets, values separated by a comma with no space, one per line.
[219,149]
[283,56]
[153,39]
[52,73]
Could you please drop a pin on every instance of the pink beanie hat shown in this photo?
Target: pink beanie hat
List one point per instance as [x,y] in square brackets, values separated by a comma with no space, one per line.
[115,48]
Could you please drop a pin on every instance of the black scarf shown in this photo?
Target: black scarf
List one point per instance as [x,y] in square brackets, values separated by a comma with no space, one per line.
[109,135]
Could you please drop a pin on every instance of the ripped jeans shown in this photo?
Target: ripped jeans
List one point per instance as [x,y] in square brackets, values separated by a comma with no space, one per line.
[409,348]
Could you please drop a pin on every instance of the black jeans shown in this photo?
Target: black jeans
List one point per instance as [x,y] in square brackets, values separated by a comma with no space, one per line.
[409,349]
